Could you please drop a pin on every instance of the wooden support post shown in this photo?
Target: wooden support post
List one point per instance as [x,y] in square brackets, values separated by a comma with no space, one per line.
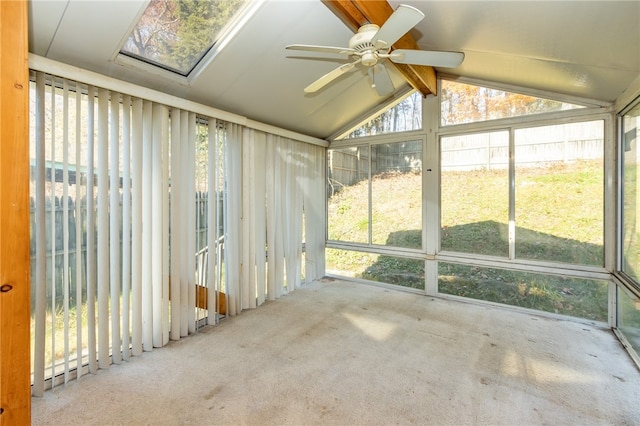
[15,377]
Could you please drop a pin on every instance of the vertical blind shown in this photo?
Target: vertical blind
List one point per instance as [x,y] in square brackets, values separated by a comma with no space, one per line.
[141,211]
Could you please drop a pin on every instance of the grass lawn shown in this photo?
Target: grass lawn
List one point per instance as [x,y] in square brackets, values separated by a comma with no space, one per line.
[559,212]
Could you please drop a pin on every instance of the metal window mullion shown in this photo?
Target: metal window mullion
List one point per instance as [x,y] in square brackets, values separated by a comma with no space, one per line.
[219,219]
[619,191]
[197,223]
[610,210]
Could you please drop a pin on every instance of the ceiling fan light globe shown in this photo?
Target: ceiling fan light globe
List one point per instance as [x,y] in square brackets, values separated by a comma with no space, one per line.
[369,59]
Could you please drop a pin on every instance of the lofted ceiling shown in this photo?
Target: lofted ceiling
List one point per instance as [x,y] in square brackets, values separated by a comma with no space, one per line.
[585,49]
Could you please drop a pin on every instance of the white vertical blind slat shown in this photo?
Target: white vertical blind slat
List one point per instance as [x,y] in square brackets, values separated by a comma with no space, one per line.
[114,225]
[314,214]
[298,194]
[270,156]
[156,222]
[260,216]
[247,262]
[136,226]
[79,277]
[233,206]
[183,215]
[191,220]
[126,225]
[176,232]
[103,229]
[65,224]
[91,226]
[289,247]
[280,209]
[147,289]
[164,191]
[54,207]
[212,226]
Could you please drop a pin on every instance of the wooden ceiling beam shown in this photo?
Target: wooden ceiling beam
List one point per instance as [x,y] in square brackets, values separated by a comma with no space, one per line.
[355,13]
[348,13]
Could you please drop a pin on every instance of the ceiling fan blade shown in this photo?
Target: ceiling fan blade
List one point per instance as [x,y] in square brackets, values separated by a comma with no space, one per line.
[324,49]
[427,57]
[380,80]
[329,77]
[398,24]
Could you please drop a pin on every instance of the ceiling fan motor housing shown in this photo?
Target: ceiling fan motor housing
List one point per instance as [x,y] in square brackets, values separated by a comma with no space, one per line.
[361,42]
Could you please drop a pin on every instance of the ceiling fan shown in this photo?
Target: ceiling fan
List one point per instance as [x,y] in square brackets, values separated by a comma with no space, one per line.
[371,46]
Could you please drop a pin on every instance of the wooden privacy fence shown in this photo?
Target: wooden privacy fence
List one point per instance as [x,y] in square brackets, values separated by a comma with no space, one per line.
[351,165]
[533,147]
[490,151]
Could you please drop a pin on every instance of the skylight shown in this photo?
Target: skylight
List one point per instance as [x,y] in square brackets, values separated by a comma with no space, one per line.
[177,34]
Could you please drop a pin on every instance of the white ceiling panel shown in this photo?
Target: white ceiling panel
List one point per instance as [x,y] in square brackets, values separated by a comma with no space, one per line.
[589,49]
[91,32]
[44,18]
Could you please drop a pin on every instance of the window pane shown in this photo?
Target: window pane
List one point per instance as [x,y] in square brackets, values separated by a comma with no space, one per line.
[629,319]
[560,193]
[376,267]
[348,263]
[475,193]
[630,187]
[405,116]
[65,206]
[576,297]
[177,34]
[396,194]
[465,103]
[348,192]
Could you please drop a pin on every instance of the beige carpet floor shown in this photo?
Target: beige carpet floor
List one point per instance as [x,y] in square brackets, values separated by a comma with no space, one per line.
[342,353]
